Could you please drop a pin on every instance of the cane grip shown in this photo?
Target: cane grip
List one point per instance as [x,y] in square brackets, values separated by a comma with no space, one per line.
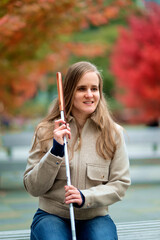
[60,92]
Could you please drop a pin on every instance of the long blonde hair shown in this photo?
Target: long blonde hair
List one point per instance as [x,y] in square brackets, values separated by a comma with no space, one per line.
[105,144]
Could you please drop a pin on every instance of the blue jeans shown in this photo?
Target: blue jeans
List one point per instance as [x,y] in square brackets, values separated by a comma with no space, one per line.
[47,226]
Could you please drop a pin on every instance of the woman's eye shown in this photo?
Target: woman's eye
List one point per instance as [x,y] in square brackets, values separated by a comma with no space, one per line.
[81,89]
[94,89]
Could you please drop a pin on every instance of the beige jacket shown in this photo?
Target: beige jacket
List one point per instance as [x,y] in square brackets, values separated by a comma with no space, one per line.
[102,182]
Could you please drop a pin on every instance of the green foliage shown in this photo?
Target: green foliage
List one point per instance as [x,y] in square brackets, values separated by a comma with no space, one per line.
[106,35]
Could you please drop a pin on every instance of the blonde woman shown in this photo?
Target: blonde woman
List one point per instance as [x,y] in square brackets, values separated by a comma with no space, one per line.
[98,163]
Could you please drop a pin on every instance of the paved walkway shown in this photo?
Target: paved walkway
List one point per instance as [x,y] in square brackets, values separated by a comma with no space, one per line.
[17,207]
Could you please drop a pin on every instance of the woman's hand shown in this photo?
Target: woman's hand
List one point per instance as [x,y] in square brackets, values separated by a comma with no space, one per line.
[72,195]
[61,129]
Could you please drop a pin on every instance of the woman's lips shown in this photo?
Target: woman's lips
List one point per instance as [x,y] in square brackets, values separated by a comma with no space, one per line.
[88,102]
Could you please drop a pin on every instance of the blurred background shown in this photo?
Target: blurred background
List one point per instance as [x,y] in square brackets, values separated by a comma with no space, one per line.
[39,38]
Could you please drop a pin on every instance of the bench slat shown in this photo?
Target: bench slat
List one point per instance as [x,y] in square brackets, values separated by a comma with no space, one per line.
[17,139]
[140,135]
[147,223]
[12,166]
[143,230]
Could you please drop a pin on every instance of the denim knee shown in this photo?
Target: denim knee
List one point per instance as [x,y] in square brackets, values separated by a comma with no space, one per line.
[97,228]
[50,227]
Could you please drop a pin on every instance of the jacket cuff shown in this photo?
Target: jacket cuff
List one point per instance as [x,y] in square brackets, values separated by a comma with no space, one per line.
[57,149]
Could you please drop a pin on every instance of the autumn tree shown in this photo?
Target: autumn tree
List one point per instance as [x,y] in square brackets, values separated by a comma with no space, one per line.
[34,40]
[136,65]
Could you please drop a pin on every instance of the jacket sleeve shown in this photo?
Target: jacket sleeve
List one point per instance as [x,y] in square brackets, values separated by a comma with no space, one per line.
[41,171]
[118,182]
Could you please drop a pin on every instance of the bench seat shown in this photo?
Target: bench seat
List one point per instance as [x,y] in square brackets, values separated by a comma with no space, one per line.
[140,230]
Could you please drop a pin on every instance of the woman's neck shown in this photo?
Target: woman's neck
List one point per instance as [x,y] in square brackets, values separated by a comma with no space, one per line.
[80,121]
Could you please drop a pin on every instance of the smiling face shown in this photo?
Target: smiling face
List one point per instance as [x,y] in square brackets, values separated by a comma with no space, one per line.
[86,96]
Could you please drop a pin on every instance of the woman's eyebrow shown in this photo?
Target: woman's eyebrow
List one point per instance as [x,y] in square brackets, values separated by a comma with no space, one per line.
[81,86]
[86,86]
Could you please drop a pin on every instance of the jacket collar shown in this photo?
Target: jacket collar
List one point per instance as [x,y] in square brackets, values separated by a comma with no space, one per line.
[91,118]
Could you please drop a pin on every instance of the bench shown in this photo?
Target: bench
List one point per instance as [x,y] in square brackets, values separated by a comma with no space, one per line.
[141,230]
[143,145]
[15,151]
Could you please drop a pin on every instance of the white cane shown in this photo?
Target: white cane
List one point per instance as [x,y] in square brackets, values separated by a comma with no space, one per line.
[62,111]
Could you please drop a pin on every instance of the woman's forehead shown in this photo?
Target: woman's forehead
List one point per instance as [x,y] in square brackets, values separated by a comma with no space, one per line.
[90,78]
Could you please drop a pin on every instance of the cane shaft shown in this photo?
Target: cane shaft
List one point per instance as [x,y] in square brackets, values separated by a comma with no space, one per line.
[66,155]
[71,209]
[62,113]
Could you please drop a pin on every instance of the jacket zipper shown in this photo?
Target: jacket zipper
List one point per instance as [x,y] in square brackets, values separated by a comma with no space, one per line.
[77,165]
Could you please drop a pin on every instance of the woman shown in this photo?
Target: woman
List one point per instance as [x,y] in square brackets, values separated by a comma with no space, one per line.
[98,163]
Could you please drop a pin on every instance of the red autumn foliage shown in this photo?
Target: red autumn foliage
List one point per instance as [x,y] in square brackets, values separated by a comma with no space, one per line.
[136,65]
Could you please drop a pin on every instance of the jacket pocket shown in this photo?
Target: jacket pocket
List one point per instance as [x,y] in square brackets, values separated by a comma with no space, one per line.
[97,174]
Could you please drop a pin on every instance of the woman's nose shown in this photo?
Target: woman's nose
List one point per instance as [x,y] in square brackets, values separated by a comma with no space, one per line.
[89,93]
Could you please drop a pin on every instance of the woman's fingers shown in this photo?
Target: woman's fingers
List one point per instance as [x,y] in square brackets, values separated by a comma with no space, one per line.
[61,129]
[63,126]
[72,195]
[61,132]
[58,122]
